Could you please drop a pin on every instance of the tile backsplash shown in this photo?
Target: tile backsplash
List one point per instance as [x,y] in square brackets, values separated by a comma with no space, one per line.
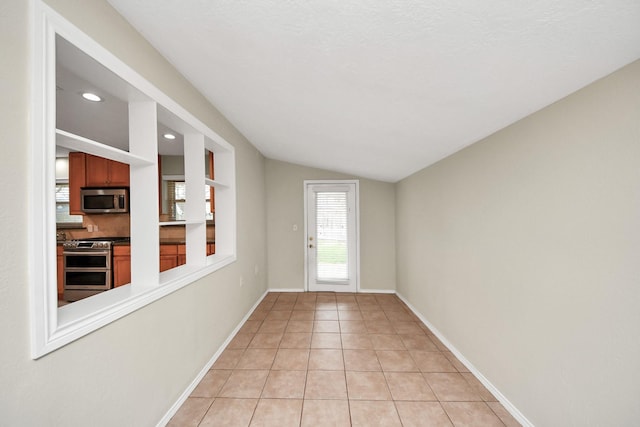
[118,225]
[106,225]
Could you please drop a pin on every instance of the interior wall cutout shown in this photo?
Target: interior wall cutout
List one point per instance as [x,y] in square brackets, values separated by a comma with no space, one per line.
[83,281]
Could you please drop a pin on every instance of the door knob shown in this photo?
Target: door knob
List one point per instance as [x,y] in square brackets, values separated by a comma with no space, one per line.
[311,246]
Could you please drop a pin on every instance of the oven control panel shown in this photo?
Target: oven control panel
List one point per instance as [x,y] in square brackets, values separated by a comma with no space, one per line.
[82,244]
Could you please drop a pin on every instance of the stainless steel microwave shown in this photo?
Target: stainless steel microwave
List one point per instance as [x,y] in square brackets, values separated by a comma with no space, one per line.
[104,200]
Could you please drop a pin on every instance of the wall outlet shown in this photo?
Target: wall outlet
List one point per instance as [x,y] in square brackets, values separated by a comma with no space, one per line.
[295,227]
[241,281]
[90,228]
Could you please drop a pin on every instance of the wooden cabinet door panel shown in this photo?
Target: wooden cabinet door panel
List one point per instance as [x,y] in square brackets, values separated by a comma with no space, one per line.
[60,266]
[77,180]
[101,172]
[211,248]
[121,270]
[118,174]
[167,262]
[97,171]
[121,265]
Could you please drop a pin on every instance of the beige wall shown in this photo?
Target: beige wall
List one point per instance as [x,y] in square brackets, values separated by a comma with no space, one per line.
[523,250]
[285,207]
[130,372]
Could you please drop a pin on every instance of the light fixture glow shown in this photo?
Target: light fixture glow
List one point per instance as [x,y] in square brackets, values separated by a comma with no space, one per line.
[91,97]
[169,136]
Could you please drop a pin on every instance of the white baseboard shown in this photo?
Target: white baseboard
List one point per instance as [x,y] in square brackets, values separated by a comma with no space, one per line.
[183,397]
[376,291]
[501,398]
[360,291]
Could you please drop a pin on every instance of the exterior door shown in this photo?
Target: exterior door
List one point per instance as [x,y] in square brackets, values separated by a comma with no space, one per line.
[332,236]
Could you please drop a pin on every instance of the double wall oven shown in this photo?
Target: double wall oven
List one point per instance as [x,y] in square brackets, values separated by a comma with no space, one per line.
[88,266]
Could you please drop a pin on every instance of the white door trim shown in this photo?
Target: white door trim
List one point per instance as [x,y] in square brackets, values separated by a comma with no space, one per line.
[307,183]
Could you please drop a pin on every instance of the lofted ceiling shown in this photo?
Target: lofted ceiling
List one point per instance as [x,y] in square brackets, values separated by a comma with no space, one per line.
[384,88]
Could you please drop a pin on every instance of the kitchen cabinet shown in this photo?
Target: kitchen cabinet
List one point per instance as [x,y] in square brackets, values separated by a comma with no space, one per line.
[211,248]
[77,180]
[101,172]
[168,257]
[86,170]
[182,254]
[171,256]
[60,264]
[121,265]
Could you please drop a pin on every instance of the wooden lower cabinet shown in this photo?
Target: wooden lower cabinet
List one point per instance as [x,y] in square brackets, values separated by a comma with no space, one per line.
[121,265]
[171,256]
[60,263]
[211,248]
[168,257]
[182,254]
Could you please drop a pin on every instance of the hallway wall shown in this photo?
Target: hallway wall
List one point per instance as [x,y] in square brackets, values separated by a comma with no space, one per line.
[285,207]
[130,372]
[522,250]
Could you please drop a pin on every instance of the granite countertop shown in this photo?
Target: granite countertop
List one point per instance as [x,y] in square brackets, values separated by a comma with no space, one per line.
[170,241]
[167,241]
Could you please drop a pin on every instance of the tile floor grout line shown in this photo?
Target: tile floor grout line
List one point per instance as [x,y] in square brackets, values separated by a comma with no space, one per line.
[206,412]
[397,324]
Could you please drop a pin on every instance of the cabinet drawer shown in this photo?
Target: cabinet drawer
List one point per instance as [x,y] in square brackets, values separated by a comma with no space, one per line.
[168,249]
[121,250]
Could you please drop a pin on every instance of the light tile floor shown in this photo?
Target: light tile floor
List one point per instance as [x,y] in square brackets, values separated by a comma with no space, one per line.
[323,359]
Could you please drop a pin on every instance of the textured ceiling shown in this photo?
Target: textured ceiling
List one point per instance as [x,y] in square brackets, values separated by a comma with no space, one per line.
[383,88]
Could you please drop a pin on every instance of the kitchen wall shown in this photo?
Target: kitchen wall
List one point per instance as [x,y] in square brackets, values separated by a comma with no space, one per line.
[130,372]
[285,207]
[523,251]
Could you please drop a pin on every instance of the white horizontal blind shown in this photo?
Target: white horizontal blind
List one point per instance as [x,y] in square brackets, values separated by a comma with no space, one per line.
[177,196]
[332,231]
[62,206]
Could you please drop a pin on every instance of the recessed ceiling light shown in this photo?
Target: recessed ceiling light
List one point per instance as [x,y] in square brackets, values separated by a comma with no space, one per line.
[169,136]
[91,97]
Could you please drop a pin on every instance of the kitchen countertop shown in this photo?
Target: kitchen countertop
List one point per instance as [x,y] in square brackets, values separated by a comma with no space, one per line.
[169,241]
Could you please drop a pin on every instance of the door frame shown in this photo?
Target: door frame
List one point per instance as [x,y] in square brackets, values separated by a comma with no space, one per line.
[306,184]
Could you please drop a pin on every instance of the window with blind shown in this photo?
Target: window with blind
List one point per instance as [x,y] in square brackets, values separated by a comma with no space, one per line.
[62,206]
[332,236]
[177,197]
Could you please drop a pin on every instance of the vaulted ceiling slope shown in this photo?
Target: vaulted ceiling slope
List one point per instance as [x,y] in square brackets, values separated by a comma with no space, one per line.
[384,88]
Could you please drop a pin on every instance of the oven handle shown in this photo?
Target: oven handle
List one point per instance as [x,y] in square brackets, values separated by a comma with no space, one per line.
[105,252]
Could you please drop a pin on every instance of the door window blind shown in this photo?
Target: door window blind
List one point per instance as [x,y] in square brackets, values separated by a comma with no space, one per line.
[331,231]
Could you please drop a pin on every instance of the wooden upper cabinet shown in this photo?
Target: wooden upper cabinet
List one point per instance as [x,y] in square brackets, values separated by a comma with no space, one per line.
[86,170]
[119,174]
[101,172]
[77,180]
